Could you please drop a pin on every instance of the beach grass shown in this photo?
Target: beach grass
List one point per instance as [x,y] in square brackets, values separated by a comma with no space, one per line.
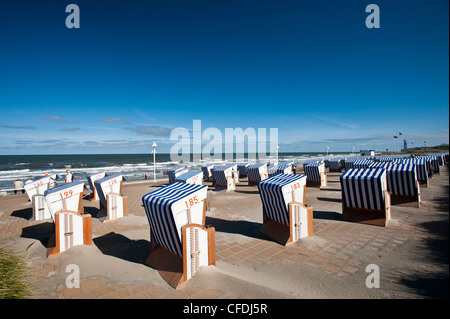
[15,281]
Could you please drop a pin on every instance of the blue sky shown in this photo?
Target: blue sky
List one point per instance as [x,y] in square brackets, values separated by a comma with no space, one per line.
[135,70]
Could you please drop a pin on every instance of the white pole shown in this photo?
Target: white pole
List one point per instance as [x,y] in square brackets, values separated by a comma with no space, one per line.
[154,155]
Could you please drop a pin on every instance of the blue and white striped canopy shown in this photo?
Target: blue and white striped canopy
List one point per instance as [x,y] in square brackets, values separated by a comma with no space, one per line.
[188,175]
[363,163]
[253,171]
[272,192]
[175,171]
[242,169]
[220,173]
[402,179]
[385,165]
[364,188]
[161,208]
[279,169]
[421,167]
[312,171]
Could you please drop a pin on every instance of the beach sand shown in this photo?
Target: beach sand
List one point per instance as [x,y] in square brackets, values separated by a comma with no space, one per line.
[411,252]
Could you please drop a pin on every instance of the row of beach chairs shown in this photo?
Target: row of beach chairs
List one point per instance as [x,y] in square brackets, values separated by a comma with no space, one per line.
[182,242]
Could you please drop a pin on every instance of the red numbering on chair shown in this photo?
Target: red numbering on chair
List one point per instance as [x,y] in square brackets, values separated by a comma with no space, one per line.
[191,201]
[39,183]
[112,182]
[295,186]
[66,194]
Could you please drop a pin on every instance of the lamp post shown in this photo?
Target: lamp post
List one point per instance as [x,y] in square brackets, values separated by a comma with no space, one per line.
[154,155]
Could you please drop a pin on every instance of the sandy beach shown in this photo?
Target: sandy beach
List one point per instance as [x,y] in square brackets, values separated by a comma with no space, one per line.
[411,252]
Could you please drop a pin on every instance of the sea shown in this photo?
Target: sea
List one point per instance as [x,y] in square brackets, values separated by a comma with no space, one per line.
[133,167]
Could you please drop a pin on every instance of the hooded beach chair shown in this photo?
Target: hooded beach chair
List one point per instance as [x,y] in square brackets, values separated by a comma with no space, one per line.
[191,177]
[256,173]
[286,218]
[174,172]
[335,164]
[91,180]
[223,176]
[402,183]
[72,227]
[207,175]
[38,186]
[422,169]
[109,190]
[242,169]
[315,173]
[280,168]
[365,197]
[362,163]
[180,242]
[65,197]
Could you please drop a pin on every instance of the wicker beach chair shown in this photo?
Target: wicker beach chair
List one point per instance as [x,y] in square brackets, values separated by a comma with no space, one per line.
[207,175]
[180,242]
[109,190]
[71,229]
[365,197]
[174,172]
[191,177]
[256,173]
[286,218]
[315,173]
[223,176]
[65,197]
[91,179]
[242,169]
[38,186]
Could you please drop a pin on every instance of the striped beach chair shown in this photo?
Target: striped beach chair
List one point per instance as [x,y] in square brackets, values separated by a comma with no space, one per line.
[223,177]
[365,197]
[65,197]
[191,177]
[402,184]
[362,163]
[286,218]
[335,164]
[242,169]
[207,175]
[174,172]
[180,242]
[422,169]
[109,190]
[91,179]
[256,173]
[315,172]
[280,168]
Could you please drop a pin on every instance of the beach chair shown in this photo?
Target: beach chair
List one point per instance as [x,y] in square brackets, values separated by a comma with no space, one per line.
[174,172]
[256,173]
[365,198]
[91,180]
[180,243]
[109,190]
[223,177]
[315,173]
[242,169]
[402,184]
[280,169]
[38,186]
[286,218]
[40,208]
[191,177]
[335,164]
[71,229]
[207,175]
[65,197]
[362,163]
[422,169]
